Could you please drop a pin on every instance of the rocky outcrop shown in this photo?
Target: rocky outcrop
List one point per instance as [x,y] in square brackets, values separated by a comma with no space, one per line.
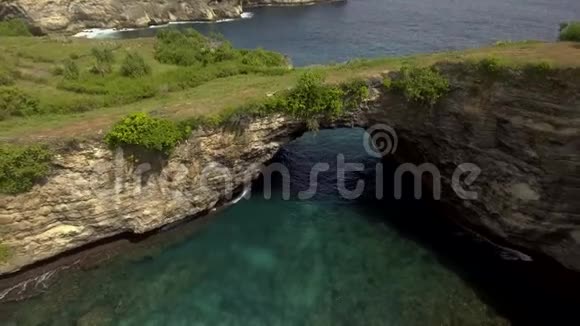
[524,135]
[75,15]
[523,132]
[95,194]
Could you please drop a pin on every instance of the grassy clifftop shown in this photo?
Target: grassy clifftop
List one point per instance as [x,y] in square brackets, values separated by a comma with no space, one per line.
[88,104]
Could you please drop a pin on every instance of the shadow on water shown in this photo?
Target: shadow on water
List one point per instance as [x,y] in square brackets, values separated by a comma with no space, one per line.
[325,261]
[541,292]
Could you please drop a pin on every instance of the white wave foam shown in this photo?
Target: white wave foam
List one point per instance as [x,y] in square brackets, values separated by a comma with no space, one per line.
[101,32]
[105,32]
[247,15]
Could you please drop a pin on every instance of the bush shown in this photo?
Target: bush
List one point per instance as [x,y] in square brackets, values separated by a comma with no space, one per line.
[262,58]
[134,66]
[421,85]
[570,31]
[540,69]
[153,134]
[182,48]
[190,48]
[311,99]
[490,67]
[22,166]
[104,58]
[71,70]
[14,102]
[355,92]
[14,27]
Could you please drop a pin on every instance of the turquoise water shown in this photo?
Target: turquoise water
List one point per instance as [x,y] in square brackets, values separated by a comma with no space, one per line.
[326,261]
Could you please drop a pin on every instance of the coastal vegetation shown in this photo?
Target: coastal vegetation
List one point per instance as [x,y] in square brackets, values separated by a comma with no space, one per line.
[570,31]
[21,166]
[420,85]
[14,27]
[152,134]
[151,93]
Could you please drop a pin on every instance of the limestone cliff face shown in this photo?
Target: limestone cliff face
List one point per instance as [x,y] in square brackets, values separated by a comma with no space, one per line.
[95,193]
[75,15]
[524,135]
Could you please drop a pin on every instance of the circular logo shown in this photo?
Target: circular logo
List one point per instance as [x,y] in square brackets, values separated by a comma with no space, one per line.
[380,140]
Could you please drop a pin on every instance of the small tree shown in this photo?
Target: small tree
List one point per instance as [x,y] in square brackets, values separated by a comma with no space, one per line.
[134,66]
[570,31]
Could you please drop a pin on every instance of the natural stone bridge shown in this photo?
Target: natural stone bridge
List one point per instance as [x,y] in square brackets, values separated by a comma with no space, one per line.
[523,135]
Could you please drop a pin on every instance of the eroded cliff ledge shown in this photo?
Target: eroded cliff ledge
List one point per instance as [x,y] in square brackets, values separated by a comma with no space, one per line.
[523,133]
[76,15]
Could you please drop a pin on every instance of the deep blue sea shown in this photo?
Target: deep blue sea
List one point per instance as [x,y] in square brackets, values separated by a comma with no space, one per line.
[327,260]
[340,31]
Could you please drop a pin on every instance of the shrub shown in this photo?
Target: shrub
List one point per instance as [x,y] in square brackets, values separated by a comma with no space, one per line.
[14,102]
[355,92]
[262,58]
[14,27]
[134,66]
[182,48]
[71,70]
[540,69]
[311,99]
[421,85]
[190,48]
[104,58]
[570,31]
[153,134]
[490,67]
[22,166]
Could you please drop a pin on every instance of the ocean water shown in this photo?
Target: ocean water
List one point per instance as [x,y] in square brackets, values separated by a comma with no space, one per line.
[336,32]
[323,261]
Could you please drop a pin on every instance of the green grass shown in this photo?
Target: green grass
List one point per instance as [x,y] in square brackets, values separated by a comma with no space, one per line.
[14,27]
[183,92]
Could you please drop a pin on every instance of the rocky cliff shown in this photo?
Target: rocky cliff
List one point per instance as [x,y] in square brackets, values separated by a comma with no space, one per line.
[76,15]
[524,135]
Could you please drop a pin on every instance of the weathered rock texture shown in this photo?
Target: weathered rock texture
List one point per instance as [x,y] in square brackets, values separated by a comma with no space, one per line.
[75,15]
[95,194]
[523,132]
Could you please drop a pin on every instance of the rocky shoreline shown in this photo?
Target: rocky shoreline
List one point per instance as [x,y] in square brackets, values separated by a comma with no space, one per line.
[72,16]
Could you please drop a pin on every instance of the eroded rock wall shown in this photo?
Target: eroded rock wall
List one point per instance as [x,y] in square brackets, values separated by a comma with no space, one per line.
[95,193]
[75,15]
[523,133]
